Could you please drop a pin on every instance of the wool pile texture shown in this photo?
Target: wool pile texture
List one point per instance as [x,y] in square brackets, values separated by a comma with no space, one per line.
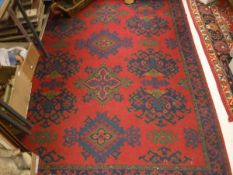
[123,93]
[214,24]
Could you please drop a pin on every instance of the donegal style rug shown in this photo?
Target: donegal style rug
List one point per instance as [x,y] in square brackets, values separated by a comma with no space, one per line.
[214,24]
[123,93]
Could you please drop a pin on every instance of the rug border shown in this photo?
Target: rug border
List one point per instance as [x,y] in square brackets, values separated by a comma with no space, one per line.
[217,122]
[223,98]
[207,91]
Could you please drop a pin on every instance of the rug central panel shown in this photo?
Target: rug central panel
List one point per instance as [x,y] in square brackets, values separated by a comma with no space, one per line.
[116,91]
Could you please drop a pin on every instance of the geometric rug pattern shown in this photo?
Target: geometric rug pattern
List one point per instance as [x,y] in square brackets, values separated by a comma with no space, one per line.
[123,92]
[214,25]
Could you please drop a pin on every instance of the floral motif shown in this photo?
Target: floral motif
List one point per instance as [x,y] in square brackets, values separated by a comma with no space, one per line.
[101,136]
[103,84]
[163,155]
[51,84]
[43,137]
[161,108]
[192,137]
[155,82]
[202,97]
[106,13]
[208,157]
[148,27]
[171,43]
[162,136]
[205,10]
[221,47]
[63,28]
[51,107]
[149,61]
[217,40]
[149,4]
[104,43]
[48,156]
[56,65]
[184,83]
[106,135]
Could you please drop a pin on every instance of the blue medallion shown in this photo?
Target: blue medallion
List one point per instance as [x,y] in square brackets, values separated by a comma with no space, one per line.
[104,43]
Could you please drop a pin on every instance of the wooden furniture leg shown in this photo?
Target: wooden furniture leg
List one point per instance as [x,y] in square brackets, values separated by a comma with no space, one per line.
[18,24]
[38,41]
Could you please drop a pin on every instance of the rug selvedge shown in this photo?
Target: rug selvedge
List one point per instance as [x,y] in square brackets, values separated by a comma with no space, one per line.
[214,49]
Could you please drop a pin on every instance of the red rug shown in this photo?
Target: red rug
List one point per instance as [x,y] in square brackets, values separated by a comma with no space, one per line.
[214,24]
[123,92]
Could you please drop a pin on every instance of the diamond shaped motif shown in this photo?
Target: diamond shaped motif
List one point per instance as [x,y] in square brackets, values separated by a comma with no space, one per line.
[104,43]
[49,108]
[103,84]
[101,137]
[161,107]
[106,13]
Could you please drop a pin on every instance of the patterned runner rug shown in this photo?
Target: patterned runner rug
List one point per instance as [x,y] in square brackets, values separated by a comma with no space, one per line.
[214,24]
[123,92]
